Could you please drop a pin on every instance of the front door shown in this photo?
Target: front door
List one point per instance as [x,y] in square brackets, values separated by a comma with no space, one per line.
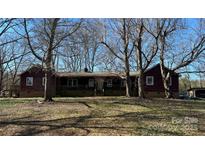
[99,87]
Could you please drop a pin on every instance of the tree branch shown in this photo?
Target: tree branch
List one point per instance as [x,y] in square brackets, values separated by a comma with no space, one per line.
[112,51]
[29,42]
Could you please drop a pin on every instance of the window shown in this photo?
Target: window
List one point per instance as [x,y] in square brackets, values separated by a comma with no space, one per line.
[43,81]
[29,81]
[91,83]
[123,83]
[75,83]
[149,80]
[72,83]
[109,83]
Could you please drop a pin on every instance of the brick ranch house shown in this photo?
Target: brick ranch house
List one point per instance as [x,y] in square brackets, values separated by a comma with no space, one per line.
[93,84]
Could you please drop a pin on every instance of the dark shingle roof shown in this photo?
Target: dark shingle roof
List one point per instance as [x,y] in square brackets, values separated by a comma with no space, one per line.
[94,74]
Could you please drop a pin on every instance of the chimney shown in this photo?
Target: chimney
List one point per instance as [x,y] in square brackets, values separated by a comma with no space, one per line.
[85,69]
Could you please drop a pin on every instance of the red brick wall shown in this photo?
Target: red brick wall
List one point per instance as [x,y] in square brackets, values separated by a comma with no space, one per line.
[158,84]
[37,90]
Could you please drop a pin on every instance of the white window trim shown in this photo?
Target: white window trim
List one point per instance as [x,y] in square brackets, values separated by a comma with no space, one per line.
[147,79]
[29,85]
[72,81]
[93,83]
[109,84]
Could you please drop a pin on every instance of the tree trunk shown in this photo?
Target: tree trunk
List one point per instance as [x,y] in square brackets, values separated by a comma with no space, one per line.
[141,85]
[165,75]
[141,73]
[139,64]
[128,81]
[1,80]
[48,94]
[128,86]
[165,80]
[1,74]
[167,89]
[48,77]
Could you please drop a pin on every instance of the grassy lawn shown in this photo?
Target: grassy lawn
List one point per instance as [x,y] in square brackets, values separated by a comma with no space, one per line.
[102,116]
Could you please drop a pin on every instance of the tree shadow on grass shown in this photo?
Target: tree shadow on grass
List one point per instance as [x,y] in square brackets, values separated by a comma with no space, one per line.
[71,125]
[32,126]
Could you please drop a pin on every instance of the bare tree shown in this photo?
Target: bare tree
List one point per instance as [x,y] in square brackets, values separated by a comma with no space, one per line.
[145,37]
[120,46]
[16,65]
[2,68]
[185,55]
[83,49]
[90,36]
[45,36]
[5,39]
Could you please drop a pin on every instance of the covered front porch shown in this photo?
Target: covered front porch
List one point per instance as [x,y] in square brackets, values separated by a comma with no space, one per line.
[89,86]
